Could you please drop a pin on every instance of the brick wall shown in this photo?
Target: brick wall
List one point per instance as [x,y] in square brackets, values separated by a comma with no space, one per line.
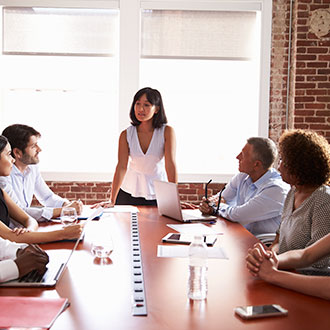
[309,97]
[93,192]
[87,192]
[309,93]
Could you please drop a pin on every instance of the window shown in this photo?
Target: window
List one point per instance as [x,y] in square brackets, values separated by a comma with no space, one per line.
[60,75]
[206,65]
[75,81]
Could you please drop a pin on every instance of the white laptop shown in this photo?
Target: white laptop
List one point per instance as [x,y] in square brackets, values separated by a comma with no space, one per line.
[168,201]
[58,260]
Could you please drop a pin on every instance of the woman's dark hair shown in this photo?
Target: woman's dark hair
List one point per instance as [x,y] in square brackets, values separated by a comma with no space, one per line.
[3,142]
[154,97]
[306,155]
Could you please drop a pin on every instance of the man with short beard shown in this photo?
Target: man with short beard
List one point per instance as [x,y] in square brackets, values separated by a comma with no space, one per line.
[25,180]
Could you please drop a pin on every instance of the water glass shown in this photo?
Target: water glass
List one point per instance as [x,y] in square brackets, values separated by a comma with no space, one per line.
[102,247]
[68,216]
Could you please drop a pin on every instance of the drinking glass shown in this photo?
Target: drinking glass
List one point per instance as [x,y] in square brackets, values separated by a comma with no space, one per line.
[68,216]
[102,246]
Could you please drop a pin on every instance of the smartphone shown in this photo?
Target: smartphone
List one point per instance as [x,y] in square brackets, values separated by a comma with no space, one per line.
[252,312]
[187,239]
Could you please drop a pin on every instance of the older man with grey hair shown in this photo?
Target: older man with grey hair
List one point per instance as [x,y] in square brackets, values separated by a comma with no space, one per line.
[255,196]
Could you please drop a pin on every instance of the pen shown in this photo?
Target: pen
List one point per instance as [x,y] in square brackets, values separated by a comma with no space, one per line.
[206,188]
[219,200]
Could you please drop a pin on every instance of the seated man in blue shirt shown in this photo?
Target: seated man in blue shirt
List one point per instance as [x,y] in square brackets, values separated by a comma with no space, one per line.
[255,196]
[25,179]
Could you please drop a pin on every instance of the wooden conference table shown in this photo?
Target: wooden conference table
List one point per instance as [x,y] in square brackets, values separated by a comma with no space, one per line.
[100,295]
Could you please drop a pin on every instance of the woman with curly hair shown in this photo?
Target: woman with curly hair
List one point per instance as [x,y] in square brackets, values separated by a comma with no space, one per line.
[303,237]
[305,165]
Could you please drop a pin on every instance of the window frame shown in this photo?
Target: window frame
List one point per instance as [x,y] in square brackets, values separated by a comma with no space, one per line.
[129,57]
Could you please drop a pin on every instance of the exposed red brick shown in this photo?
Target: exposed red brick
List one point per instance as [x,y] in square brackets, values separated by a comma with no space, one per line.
[317,50]
[320,126]
[325,99]
[314,106]
[316,92]
[61,189]
[301,126]
[317,78]
[324,71]
[306,71]
[197,185]
[70,196]
[304,113]
[324,57]
[301,99]
[81,189]
[187,191]
[317,64]
[306,43]
[100,188]
[305,85]
[102,196]
[324,113]
[314,119]
[306,57]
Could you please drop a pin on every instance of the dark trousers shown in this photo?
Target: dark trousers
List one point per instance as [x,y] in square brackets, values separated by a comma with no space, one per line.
[124,198]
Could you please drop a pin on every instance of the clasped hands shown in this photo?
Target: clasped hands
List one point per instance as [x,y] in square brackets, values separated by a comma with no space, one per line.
[261,262]
[31,258]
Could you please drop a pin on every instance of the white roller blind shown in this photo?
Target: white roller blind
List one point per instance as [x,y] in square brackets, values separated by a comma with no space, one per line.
[198,34]
[59,31]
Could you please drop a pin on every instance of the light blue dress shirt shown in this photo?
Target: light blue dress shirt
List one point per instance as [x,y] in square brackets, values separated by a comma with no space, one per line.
[256,205]
[22,186]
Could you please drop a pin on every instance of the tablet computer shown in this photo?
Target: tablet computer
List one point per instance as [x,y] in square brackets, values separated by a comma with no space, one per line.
[187,239]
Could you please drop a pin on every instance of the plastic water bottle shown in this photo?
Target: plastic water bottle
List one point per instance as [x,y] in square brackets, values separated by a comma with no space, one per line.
[197,283]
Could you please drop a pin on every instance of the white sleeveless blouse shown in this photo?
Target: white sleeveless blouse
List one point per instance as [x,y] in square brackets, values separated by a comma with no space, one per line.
[144,168]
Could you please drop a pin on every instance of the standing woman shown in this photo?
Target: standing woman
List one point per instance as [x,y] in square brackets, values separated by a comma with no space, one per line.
[146,152]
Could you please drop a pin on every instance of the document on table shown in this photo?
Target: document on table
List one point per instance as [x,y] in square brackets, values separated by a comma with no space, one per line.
[87,212]
[181,251]
[121,208]
[194,229]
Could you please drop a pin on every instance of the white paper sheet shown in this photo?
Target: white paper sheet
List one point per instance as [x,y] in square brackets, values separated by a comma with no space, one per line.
[87,211]
[194,228]
[121,208]
[181,251]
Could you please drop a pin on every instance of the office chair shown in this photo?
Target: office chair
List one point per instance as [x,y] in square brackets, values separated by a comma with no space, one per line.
[266,238]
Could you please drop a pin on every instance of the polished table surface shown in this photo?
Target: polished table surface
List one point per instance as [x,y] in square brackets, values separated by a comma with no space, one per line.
[100,295]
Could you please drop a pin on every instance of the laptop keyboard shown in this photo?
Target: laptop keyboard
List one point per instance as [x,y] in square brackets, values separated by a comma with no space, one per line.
[33,277]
